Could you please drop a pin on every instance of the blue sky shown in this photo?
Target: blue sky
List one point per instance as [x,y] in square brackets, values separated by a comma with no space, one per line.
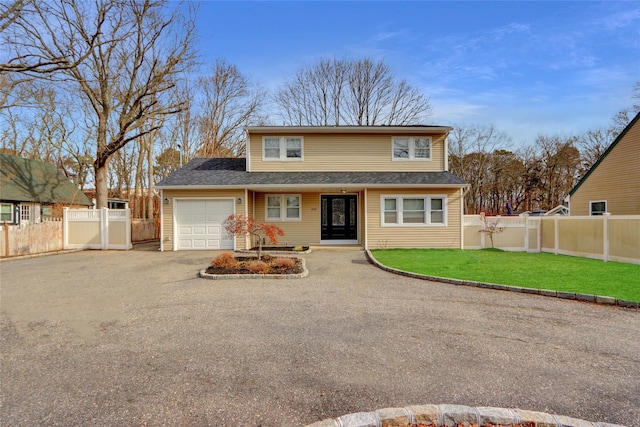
[528,68]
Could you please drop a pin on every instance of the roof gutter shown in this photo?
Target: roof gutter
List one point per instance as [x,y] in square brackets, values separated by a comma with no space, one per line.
[348,129]
[310,186]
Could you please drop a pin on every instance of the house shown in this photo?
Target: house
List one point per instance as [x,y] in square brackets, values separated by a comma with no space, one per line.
[31,190]
[373,186]
[613,183]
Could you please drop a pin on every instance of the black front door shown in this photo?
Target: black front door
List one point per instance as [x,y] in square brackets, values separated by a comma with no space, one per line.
[339,217]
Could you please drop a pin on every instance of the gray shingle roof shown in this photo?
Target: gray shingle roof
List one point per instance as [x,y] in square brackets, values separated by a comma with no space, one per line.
[232,172]
[26,180]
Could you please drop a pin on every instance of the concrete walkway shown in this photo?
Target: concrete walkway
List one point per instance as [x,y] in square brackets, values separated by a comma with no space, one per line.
[135,338]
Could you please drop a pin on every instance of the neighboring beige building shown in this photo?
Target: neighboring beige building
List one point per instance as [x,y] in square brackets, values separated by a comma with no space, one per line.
[374,186]
[613,183]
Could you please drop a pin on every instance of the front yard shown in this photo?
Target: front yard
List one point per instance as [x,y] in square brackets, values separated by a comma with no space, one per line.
[540,271]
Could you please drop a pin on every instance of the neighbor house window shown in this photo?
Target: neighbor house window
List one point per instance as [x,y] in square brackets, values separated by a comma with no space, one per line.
[282,148]
[411,148]
[6,212]
[47,212]
[284,207]
[25,212]
[413,210]
[598,208]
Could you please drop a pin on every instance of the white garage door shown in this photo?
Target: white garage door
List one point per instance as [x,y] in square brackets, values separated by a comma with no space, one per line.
[199,224]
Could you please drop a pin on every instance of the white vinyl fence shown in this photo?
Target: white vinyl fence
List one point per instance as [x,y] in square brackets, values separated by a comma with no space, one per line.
[97,229]
[606,237]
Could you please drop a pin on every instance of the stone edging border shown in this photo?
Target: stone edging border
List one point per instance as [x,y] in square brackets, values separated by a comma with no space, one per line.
[202,273]
[454,415]
[544,292]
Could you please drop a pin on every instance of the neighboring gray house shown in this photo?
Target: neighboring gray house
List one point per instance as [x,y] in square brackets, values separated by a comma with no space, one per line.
[31,190]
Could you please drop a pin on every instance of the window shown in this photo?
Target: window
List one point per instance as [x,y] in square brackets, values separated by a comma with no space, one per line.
[413,210]
[598,208]
[6,212]
[25,212]
[47,212]
[282,148]
[411,148]
[285,207]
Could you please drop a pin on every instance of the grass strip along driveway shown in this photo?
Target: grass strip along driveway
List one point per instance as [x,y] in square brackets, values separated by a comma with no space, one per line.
[538,271]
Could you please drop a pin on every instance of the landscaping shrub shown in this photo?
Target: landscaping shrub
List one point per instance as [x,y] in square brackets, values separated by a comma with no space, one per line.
[225,260]
[258,267]
[282,263]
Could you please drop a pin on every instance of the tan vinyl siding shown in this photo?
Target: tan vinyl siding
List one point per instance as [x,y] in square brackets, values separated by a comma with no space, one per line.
[348,152]
[414,237]
[616,179]
[304,232]
[167,210]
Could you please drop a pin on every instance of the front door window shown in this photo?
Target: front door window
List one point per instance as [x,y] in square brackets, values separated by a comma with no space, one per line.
[339,217]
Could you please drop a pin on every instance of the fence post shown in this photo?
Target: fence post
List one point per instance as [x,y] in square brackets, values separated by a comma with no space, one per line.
[605,236]
[6,238]
[104,228]
[526,232]
[65,228]
[556,235]
[128,243]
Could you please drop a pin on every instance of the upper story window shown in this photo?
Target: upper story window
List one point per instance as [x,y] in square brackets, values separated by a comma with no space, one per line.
[283,207]
[413,210]
[282,148]
[598,208]
[411,148]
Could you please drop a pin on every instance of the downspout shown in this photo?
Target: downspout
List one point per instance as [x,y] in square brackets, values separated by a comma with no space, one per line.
[462,218]
[366,222]
[246,214]
[161,221]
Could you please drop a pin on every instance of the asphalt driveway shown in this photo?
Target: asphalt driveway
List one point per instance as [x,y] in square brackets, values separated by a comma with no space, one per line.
[135,338]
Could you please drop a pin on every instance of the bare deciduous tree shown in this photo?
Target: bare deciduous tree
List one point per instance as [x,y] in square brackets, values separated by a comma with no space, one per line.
[342,92]
[228,103]
[314,96]
[121,57]
[471,150]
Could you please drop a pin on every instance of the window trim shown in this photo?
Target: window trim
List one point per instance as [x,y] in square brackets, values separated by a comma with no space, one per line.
[11,212]
[399,198]
[606,207]
[25,209]
[412,149]
[282,148]
[283,208]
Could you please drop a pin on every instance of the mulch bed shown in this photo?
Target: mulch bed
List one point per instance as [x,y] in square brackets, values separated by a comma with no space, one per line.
[283,248]
[242,268]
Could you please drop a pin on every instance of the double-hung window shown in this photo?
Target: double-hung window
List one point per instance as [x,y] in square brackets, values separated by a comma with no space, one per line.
[598,208]
[283,207]
[6,212]
[411,148]
[282,148]
[414,210]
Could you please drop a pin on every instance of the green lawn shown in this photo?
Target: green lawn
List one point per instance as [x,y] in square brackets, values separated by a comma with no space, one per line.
[541,271]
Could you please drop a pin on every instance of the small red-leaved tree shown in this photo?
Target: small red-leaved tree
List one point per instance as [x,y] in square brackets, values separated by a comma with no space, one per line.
[241,225]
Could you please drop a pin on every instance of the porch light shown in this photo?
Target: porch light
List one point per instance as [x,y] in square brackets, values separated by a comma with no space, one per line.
[166,201]
[239,200]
